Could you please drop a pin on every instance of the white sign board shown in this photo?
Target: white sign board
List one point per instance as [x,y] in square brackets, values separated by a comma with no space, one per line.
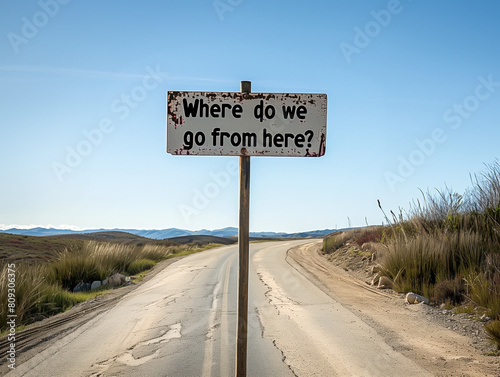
[246,124]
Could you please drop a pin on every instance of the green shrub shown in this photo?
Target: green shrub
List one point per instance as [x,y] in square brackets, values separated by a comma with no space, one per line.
[483,292]
[139,266]
[333,242]
[493,331]
[450,291]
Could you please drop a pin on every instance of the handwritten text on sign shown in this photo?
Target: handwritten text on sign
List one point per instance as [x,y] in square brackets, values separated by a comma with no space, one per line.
[248,124]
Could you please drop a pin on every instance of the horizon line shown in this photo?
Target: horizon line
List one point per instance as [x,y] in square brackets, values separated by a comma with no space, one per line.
[4,227]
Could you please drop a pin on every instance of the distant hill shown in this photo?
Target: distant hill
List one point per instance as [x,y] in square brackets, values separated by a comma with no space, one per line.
[200,239]
[161,234]
[31,249]
[34,249]
[116,237]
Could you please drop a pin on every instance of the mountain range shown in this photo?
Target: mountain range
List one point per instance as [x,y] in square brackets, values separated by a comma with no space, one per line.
[170,232]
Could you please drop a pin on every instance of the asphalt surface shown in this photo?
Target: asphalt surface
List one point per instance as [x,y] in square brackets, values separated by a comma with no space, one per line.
[182,322]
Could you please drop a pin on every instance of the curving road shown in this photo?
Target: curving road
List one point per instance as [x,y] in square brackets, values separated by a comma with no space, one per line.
[182,323]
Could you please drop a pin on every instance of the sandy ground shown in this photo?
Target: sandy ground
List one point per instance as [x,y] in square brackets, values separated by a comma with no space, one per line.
[409,329]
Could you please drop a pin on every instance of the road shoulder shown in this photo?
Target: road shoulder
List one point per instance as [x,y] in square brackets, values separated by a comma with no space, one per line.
[406,328]
[37,337]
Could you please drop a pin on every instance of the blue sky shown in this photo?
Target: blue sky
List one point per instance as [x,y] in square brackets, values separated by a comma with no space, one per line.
[413,103]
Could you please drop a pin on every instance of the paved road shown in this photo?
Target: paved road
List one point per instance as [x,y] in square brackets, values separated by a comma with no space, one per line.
[182,323]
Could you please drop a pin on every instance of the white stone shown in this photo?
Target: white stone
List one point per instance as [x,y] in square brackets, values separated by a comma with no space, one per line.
[413,298]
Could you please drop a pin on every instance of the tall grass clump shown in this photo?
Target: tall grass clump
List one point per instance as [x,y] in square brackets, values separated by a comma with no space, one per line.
[72,266]
[493,331]
[484,293]
[44,290]
[419,262]
[447,246]
[334,241]
[157,252]
[140,265]
[98,260]
[29,288]
[35,297]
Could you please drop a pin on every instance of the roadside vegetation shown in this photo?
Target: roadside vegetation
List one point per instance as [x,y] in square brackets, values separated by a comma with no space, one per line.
[446,247]
[45,289]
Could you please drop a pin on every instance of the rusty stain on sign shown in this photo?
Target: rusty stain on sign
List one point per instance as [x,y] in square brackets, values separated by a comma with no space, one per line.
[246,124]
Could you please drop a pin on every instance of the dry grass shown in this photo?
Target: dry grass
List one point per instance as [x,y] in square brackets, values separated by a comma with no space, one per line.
[98,260]
[493,331]
[336,240]
[45,289]
[373,234]
[447,246]
[35,297]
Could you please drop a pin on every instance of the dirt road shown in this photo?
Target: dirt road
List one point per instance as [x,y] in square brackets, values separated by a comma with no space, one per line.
[404,328]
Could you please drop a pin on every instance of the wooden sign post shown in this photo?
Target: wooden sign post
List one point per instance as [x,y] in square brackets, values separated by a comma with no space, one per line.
[243,245]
